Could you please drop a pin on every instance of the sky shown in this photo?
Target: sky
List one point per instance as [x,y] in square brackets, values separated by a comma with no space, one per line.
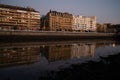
[106,11]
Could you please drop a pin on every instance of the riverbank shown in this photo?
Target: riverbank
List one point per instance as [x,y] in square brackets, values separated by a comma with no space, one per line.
[52,35]
[107,68]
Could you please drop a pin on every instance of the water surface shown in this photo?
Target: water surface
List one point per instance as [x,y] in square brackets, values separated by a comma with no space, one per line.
[31,60]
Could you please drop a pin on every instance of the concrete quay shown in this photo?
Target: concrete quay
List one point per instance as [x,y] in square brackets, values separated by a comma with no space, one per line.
[52,35]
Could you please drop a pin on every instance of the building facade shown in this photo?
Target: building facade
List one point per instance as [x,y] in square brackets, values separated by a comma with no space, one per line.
[101,27]
[18,18]
[84,23]
[57,21]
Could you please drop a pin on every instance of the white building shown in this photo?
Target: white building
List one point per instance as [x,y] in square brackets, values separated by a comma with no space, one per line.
[84,23]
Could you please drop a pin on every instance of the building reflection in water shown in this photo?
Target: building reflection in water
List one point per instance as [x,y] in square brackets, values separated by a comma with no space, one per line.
[65,52]
[16,56]
[56,52]
[82,50]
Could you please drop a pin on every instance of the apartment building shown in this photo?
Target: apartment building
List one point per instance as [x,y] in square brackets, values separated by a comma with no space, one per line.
[18,18]
[84,23]
[58,21]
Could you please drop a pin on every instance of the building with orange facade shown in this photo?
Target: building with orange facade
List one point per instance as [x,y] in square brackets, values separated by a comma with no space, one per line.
[57,21]
[18,18]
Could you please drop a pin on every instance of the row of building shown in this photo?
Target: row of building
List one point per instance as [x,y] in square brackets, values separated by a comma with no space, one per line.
[20,18]
[57,21]
[108,28]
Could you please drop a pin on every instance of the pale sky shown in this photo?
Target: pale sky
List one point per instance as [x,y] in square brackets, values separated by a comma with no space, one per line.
[106,11]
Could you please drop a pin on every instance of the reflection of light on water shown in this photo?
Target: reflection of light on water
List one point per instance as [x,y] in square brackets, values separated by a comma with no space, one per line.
[13,51]
[28,48]
[23,48]
[113,45]
[43,46]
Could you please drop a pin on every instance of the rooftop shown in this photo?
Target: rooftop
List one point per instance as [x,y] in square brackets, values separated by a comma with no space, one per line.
[17,7]
[59,12]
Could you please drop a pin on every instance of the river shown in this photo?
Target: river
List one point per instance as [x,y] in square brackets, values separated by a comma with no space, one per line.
[33,60]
